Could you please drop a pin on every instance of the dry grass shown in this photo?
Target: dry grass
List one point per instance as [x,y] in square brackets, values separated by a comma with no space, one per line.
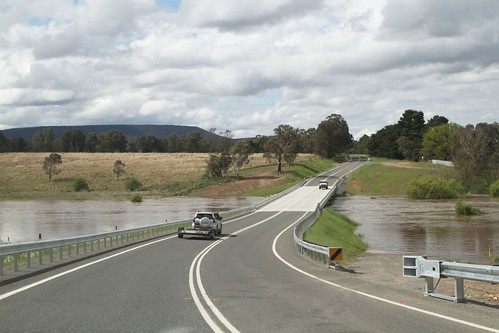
[22,175]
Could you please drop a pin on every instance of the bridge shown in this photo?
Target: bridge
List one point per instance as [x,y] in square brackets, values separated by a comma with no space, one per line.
[252,279]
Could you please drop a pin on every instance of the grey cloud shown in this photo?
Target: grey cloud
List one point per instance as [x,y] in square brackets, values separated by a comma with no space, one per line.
[418,19]
[232,15]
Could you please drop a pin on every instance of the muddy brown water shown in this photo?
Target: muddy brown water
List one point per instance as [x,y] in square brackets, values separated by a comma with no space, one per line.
[432,228]
[393,225]
[23,221]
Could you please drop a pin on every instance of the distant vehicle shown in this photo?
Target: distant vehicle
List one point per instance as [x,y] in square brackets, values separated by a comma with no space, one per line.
[323,184]
[207,224]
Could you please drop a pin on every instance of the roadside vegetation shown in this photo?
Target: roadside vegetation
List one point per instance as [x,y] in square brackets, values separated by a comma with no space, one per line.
[336,230]
[385,177]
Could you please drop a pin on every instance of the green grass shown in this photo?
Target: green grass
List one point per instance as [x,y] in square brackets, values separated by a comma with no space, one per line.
[391,178]
[336,230]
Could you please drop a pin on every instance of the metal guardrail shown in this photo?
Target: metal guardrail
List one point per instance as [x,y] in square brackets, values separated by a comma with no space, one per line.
[70,248]
[420,267]
[317,252]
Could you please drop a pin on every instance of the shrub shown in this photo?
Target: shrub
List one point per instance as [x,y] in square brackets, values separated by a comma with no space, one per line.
[80,184]
[132,184]
[430,187]
[137,198]
[494,189]
[465,209]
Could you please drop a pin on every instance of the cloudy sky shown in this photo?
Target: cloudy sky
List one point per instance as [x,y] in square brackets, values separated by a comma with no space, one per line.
[247,66]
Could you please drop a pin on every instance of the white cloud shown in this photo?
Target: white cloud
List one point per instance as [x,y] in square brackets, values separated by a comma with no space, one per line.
[247,66]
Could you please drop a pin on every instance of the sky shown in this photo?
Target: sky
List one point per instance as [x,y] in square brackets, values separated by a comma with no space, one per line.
[247,66]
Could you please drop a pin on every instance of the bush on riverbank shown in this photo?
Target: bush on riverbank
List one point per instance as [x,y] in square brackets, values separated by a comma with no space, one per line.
[466,210]
[80,184]
[430,187]
[494,189]
[336,230]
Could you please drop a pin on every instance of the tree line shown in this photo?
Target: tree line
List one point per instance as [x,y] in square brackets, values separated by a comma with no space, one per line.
[473,149]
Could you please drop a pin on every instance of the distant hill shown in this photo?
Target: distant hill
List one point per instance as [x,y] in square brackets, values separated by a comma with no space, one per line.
[130,131]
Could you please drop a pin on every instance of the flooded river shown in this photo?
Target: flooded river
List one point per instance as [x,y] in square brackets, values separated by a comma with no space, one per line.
[393,225]
[23,221]
[414,227]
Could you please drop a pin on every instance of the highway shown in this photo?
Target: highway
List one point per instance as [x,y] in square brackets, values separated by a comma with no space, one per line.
[249,280]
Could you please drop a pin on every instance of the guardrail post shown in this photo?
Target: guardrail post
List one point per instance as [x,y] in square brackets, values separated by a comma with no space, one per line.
[428,286]
[459,290]
[15,263]
[40,257]
[1,265]
[51,254]
[28,259]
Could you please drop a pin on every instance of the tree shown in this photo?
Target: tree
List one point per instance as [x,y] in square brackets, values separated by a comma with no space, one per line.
[43,141]
[4,143]
[437,142]
[73,141]
[118,168]
[284,146]
[146,144]
[308,140]
[240,154]
[332,137]
[112,141]
[384,143]
[50,165]
[436,121]
[362,146]
[193,142]
[174,144]
[476,153]
[92,142]
[411,126]
[217,165]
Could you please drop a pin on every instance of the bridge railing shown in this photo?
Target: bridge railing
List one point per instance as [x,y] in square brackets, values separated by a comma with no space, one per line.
[318,252]
[420,267]
[59,250]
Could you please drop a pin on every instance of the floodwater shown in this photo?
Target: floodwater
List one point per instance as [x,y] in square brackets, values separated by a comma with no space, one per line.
[432,228]
[394,225]
[23,221]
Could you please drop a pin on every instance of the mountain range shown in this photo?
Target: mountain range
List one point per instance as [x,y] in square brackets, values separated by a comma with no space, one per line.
[130,131]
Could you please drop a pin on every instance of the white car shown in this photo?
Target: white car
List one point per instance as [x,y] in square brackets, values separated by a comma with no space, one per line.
[207,224]
[323,184]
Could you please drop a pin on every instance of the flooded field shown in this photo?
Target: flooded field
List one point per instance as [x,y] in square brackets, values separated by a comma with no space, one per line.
[23,221]
[432,228]
[394,225]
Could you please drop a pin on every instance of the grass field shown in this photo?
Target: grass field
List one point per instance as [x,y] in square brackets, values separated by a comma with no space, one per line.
[390,177]
[168,174]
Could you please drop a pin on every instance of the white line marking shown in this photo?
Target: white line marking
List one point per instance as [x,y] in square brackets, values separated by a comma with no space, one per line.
[29,286]
[196,265]
[372,296]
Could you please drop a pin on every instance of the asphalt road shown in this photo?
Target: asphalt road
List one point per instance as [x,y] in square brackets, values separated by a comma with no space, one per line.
[249,280]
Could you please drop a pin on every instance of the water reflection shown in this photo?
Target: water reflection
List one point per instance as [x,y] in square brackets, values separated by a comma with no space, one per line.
[425,227]
[22,221]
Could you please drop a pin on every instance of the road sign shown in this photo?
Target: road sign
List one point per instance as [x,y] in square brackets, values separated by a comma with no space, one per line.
[335,253]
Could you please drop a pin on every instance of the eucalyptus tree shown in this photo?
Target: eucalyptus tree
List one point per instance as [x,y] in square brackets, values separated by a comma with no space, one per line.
[285,146]
[50,164]
[333,137]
